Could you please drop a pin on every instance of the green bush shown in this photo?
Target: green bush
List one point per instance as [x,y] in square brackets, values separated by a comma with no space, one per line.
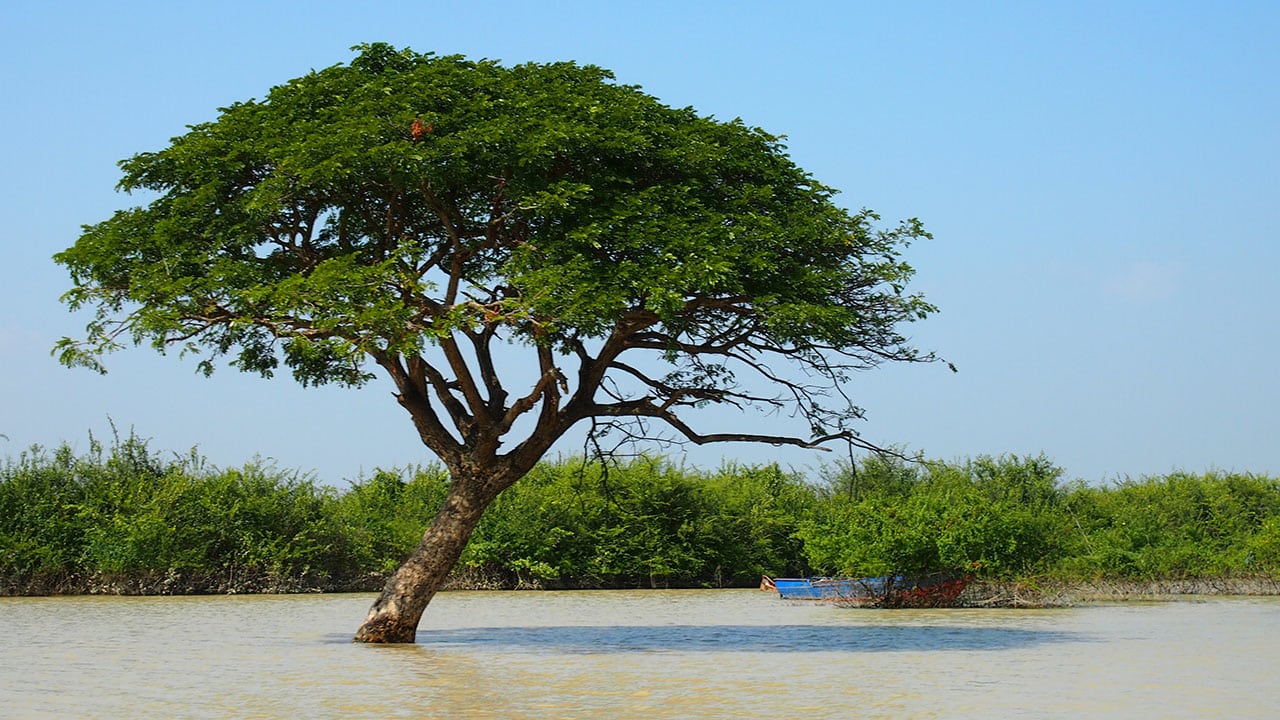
[382,517]
[126,510]
[994,517]
[643,522]
[123,510]
[1179,525]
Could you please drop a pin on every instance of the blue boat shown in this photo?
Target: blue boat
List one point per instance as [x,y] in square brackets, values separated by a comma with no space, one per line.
[825,588]
[937,590]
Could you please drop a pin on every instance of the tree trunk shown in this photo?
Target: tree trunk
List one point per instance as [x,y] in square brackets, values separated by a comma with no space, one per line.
[395,614]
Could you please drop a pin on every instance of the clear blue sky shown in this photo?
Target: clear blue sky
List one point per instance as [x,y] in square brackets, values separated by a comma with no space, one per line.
[1103,181]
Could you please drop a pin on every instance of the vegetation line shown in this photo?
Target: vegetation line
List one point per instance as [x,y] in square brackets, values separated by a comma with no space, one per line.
[124,519]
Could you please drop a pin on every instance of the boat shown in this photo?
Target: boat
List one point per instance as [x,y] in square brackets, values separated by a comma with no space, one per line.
[823,588]
[923,591]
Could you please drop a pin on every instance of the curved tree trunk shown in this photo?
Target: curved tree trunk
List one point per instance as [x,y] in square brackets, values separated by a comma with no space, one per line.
[395,614]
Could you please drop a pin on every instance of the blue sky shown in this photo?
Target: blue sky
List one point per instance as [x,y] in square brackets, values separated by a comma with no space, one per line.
[1102,180]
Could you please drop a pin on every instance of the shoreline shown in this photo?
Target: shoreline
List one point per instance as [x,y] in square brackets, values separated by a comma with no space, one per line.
[1023,593]
[1072,593]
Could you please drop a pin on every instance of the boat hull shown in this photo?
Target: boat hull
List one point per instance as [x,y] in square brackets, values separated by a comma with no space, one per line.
[888,591]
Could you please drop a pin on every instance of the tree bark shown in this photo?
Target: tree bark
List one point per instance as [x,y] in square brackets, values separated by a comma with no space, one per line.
[395,614]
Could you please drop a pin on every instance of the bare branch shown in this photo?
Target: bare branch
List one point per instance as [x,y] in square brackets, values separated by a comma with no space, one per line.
[413,398]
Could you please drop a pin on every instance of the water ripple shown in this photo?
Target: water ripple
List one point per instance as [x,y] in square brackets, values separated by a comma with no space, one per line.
[748,638]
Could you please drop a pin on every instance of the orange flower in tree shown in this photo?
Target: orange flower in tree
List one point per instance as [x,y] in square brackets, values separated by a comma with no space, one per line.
[417,130]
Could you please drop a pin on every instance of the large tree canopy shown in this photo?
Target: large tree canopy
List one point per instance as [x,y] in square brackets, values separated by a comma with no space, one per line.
[437,218]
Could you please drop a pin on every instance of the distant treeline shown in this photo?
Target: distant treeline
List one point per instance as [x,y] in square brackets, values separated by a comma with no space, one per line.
[125,519]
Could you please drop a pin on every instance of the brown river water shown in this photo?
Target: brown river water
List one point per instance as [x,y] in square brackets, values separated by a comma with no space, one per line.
[634,654]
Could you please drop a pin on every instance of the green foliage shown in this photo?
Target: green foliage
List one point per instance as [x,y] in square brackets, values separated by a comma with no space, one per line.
[39,528]
[989,516]
[1178,525]
[644,522]
[390,207]
[1013,517]
[125,511]
[753,521]
[382,516]
[310,214]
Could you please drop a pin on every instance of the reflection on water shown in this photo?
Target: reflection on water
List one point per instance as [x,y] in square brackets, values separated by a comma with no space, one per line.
[789,639]
[648,654]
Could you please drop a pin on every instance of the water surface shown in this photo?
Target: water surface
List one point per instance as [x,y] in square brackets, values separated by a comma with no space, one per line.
[642,654]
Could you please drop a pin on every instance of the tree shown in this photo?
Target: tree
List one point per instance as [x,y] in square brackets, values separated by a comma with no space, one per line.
[457,224]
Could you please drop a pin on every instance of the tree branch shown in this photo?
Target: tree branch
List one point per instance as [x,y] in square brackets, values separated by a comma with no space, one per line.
[413,398]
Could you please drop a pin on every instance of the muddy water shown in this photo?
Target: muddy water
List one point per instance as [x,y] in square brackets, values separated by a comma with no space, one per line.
[645,654]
